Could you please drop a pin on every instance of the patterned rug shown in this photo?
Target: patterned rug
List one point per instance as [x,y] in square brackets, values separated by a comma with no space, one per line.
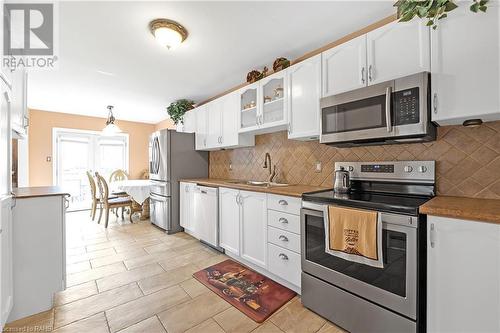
[250,292]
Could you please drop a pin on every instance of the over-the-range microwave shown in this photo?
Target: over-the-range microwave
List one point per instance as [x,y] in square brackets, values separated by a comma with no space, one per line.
[396,111]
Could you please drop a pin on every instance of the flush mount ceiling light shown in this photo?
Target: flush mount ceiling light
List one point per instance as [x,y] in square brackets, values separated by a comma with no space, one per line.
[111,128]
[168,33]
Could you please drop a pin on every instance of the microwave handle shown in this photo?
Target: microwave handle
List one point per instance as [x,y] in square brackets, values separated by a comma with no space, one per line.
[388,119]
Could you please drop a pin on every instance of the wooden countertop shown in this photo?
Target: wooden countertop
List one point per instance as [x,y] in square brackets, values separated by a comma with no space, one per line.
[484,210]
[290,190]
[40,191]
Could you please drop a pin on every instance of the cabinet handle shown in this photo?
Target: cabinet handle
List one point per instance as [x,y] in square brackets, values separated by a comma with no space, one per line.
[370,77]
[283,256]
[26,122]
[434,102]
[66,203]
[289,128]
[432,236]
[283,238]
[283,202]
[362,75]
[283,220]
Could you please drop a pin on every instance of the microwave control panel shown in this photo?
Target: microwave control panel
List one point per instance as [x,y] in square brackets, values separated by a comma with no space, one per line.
[406,106]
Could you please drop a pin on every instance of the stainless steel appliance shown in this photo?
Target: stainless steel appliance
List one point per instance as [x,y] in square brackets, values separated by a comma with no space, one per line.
[396,111]
[342,182]
[172,156]
[358,297]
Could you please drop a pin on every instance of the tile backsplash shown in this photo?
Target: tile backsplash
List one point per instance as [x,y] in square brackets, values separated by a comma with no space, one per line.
[467,159]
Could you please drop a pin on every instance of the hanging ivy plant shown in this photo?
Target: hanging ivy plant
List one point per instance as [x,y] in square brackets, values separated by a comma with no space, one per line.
[432,10]
[177,109]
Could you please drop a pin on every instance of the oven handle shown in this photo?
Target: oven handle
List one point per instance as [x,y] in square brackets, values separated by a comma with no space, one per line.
[388,120]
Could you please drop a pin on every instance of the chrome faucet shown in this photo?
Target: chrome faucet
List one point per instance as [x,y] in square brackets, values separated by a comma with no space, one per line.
[272,170]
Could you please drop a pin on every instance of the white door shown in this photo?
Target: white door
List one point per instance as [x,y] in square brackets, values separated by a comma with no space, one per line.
[5,140]
[304,93]
[465,55]
[254,227]
[396,50]
[214,124]
[229,120]
[463,276]
[229,219]
[6,277]
[201,127]
[249,108]
[272,100]
[344,67]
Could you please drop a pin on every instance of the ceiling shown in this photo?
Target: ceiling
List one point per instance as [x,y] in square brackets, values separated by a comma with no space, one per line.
[108,56]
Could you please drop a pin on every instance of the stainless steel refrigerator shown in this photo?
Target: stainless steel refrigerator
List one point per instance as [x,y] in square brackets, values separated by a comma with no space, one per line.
[172,157]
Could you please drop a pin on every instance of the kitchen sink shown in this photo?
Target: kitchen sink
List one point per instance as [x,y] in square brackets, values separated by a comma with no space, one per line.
[257,183]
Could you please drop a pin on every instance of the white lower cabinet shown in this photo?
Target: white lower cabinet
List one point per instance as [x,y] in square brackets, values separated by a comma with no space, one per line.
[254,227]
[260,237]
[187,211]
[229,218]
[6,277]
[463,275]
[39,253]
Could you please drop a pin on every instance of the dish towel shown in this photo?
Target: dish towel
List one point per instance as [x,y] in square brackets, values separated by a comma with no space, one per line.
[354,235]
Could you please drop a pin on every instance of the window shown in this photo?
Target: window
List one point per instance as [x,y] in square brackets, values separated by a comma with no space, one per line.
[76,152]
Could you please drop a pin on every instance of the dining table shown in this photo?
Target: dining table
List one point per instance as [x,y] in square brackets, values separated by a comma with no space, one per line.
[139,190]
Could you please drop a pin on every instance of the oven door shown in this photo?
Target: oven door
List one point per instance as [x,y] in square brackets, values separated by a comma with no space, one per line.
[394,286]
[363,114]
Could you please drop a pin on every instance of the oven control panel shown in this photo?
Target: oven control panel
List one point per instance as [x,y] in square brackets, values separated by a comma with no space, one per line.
[407,171]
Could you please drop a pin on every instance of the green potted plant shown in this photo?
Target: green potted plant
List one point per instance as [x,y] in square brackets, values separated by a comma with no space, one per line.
[177,109]
[432,10]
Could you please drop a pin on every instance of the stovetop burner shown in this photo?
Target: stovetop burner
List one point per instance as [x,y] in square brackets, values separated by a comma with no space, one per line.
[401,204]
[394,187]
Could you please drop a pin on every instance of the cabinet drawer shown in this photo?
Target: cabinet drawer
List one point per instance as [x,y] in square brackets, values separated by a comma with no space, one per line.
[284,204]
[283,221]
[284,263]
[284,239]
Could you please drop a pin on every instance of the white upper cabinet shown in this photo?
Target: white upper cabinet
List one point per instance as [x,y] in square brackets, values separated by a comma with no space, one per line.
[263,105]
[465,61]
[344,67]
[304,93]
[396,50]
[201,127]
[19,111]
[214,124]
[463,274]
[229,219]
[189,122]
[254,227]
[222,125]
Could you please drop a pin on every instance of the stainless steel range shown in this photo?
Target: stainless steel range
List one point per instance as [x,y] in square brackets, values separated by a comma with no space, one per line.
[358,297]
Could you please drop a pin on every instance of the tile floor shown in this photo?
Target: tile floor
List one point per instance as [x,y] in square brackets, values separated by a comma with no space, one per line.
[135,278]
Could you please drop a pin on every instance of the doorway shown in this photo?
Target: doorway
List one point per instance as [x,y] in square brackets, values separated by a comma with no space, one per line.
[76,152]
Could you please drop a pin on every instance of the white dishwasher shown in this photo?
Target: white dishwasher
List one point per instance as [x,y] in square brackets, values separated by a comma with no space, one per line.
[206,211]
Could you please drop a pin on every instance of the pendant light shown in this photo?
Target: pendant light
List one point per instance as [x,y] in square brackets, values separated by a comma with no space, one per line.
[111,128]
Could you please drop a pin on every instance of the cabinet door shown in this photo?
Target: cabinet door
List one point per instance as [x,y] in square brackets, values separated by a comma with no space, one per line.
[396,50]
[229,215]
[19,110]
[304,93]
[463,274]
[229,120]
[344,67]
[249,108]
[465,60]
[189,122]
[184,205]
[254,227]
[6,278]
[201,128]
[272,100]
[214,124]
[5,139]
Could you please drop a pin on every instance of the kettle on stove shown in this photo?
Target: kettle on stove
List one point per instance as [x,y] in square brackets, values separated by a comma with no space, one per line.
[342,182]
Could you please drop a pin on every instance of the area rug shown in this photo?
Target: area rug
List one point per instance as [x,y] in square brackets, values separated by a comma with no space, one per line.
[250,292]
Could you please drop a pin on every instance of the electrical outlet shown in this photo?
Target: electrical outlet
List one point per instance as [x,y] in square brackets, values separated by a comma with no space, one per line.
[318,167]
[230,166]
